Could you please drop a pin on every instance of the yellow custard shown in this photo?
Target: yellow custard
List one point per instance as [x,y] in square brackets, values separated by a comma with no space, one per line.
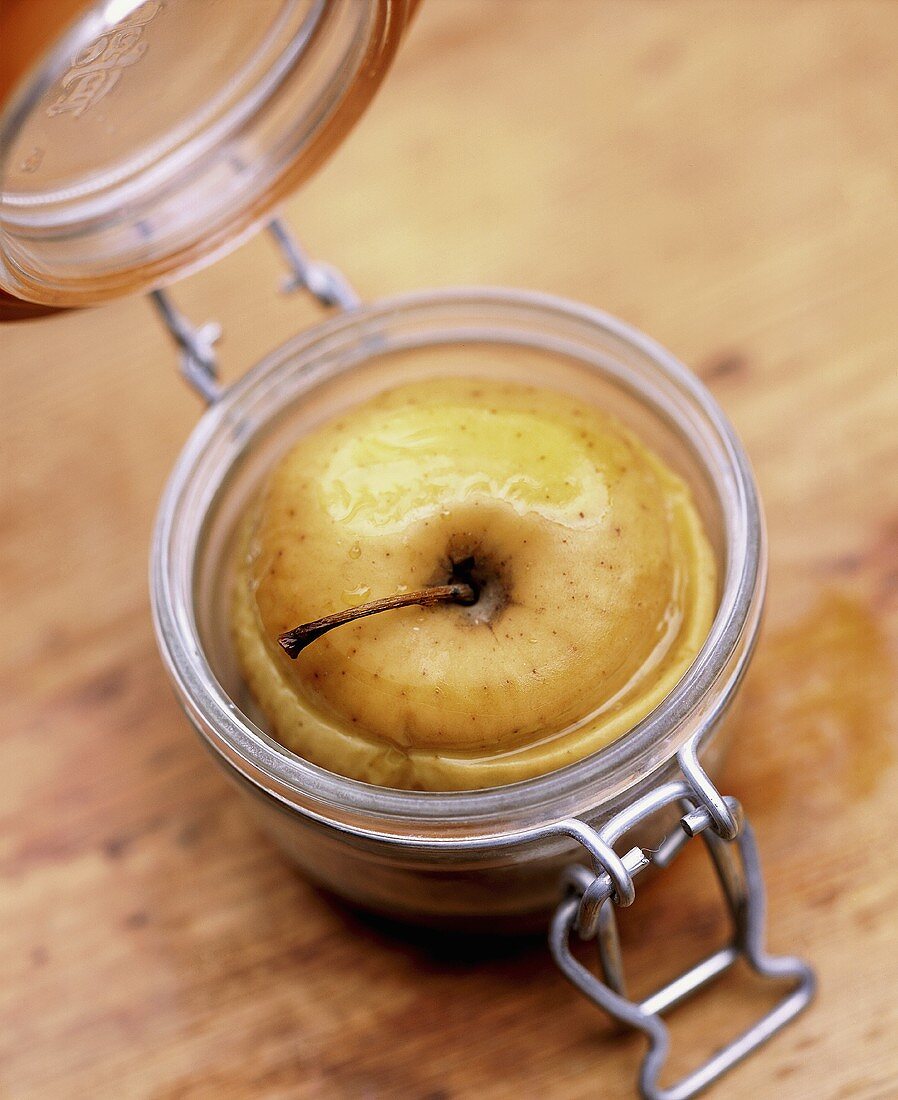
[596,579]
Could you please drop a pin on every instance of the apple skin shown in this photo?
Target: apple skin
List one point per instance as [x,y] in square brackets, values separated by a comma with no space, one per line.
[597,584]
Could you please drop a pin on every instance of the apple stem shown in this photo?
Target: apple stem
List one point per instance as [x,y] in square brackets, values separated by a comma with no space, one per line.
[295,641]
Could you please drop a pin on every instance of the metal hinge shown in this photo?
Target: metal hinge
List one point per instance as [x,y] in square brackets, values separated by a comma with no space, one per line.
[588,909]
[196,343]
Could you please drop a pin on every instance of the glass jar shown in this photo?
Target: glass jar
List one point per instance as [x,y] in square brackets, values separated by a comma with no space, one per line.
[461,857]
[489,858]
[143,142]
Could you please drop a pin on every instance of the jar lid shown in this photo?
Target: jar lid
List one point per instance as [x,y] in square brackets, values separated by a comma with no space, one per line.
[150,137]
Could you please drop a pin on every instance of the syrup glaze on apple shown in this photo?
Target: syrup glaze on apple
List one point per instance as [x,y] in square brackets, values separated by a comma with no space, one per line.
[596,585]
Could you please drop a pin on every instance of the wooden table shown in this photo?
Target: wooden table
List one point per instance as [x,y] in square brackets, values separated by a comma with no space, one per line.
[723,175]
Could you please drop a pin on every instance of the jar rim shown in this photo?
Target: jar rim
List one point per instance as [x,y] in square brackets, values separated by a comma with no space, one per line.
[455,819]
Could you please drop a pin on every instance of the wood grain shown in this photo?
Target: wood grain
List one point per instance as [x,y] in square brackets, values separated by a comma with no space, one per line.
[723,175]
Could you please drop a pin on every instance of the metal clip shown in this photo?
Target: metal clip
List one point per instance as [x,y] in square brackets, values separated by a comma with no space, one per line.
[196,344]
[588,909]
[199,363]
[322,281]
[722,814]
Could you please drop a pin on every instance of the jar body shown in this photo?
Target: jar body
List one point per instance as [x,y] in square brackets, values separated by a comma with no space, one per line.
[498,890]
[455,859]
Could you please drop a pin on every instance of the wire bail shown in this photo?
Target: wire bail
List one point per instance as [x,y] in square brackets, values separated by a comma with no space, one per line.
[588,909]
[196,343]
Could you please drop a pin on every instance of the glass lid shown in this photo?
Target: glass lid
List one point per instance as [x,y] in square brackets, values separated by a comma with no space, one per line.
[139,140]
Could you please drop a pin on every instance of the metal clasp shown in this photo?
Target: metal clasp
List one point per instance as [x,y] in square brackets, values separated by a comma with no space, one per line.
[196,343]
[588,908]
